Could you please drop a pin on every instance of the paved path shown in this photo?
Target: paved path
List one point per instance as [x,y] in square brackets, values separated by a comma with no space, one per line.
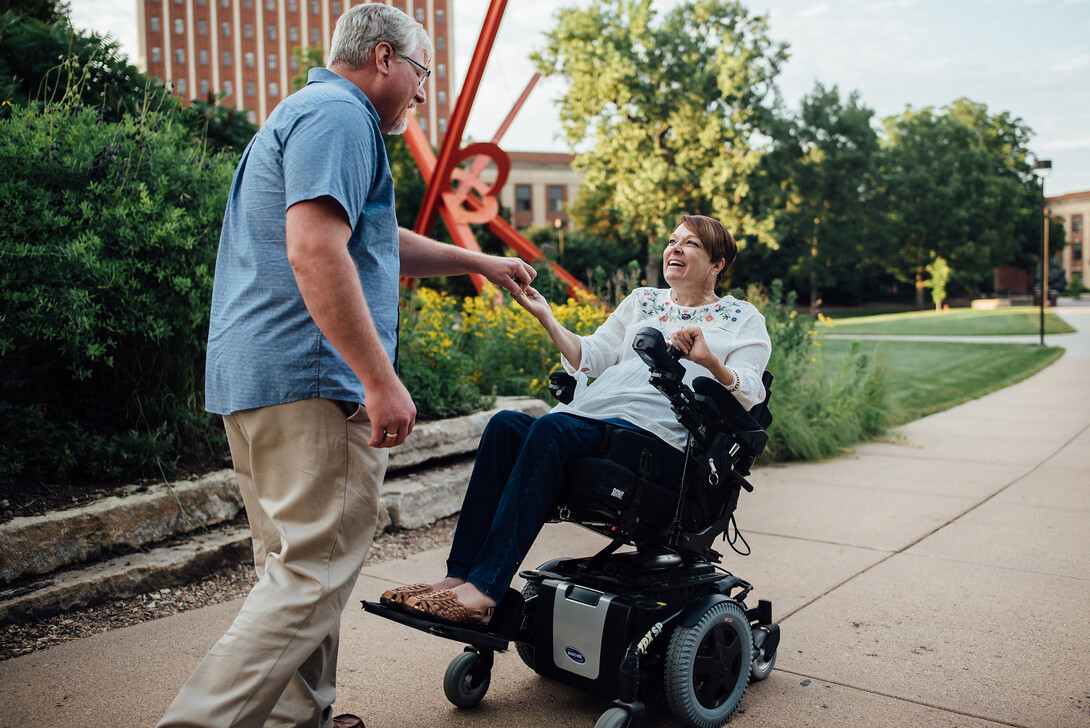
[938,578]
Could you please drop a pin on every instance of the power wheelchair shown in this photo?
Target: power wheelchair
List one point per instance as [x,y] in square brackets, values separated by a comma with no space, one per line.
[660,620]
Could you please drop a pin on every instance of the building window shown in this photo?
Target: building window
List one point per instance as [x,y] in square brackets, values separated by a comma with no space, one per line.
[420,15]
[225,30]
[1076,223]
[203,57]
[155,25]
[314,7]
[228,88]
[442,126]
[227,58]
[440,44]
[249,60]
[1076,252]
[293,6]
[156,55]
[272,60]
[204,87]
[271,32]
[181,85]
[442,98]
[201,3]
[179,55]
[442,70]
[251,117]
[270,5]
[440,17]
[274,89]
[293,34]
[202,27]
[336,8]
[249,88]
[556,198]
[314,36]
[179,26]
[247,4]
[523,202]
[225,3]
[423,124]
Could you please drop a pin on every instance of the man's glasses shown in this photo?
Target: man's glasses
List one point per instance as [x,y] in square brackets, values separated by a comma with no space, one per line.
[425,69]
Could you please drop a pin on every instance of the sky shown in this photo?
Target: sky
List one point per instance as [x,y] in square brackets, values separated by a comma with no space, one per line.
[1030,58]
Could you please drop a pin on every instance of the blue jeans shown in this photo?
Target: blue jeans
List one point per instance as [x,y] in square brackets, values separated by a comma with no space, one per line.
[517,474]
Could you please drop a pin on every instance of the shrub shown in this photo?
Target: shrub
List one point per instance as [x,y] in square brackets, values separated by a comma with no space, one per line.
[814,415]
[108,234]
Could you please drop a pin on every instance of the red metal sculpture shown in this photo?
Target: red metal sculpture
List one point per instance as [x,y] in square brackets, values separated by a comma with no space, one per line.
[459,195]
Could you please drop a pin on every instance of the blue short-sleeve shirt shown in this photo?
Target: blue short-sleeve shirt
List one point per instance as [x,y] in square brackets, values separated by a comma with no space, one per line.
[263,347]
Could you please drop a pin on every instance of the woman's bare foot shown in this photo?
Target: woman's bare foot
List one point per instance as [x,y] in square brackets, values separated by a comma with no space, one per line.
[449,582]
[472,597]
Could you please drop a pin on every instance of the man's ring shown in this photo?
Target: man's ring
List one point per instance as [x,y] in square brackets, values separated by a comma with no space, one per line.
[391,434]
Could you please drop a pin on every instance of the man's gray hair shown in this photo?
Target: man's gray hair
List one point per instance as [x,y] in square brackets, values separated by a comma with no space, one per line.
[363,27]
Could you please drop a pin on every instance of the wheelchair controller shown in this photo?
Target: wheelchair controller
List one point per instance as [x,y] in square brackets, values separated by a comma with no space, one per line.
[660,620]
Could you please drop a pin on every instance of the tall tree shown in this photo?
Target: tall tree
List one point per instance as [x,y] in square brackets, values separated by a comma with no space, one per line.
[669,106]
[820,178]
[958,185]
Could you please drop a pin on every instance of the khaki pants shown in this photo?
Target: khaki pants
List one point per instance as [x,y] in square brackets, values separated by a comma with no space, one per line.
[310,484]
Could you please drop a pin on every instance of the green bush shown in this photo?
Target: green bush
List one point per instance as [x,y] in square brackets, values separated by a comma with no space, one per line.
[108,234]
[816,415]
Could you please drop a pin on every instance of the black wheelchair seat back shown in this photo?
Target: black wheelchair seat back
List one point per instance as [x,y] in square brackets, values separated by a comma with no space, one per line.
[640,491]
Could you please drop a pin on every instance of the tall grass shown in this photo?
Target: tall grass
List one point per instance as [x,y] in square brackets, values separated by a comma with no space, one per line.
[821,405]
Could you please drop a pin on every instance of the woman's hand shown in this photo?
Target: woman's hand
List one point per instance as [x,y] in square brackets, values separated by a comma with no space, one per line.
[694,347]
[533,302]
[691,343]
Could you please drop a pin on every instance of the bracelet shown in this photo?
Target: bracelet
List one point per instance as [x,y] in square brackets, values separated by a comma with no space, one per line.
[733,387]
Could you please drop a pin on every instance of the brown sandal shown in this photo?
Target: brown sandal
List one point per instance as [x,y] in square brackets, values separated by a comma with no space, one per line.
[444,606]
[396,597]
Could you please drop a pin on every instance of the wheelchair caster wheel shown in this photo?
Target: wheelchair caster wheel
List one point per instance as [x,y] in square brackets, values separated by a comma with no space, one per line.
[763,661]
[613,718]
[467,678]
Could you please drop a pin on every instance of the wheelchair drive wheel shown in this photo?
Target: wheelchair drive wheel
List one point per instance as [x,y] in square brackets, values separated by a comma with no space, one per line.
[467,678]
[708,666]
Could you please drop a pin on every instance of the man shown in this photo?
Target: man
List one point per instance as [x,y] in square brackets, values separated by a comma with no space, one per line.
[301,362]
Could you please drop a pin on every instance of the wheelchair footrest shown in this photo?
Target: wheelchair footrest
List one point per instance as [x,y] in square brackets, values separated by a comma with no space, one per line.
[496,635]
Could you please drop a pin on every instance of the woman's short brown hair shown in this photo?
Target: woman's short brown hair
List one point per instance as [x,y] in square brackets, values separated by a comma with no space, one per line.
[716,238]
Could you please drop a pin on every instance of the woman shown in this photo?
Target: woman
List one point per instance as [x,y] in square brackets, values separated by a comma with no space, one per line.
[520,463]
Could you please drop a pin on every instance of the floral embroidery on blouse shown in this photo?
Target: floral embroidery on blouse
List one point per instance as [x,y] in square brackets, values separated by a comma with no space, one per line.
[654,302]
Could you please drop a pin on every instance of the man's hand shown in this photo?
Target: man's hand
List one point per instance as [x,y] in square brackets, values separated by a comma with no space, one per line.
[392,413]
[511,274]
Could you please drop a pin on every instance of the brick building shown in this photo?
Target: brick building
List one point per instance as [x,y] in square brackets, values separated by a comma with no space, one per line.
[1074,210]
[243,48]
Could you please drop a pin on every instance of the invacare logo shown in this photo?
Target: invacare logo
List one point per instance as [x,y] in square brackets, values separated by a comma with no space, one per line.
[574,655]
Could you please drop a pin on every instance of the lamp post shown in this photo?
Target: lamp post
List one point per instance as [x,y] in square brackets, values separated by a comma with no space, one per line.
[559,225]
[1042,166]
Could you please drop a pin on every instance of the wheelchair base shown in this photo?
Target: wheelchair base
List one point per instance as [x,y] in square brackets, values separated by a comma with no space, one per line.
[615,626]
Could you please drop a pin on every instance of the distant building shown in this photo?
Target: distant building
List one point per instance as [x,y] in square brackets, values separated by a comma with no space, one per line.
[243,48]
[540,189]
[1074,210]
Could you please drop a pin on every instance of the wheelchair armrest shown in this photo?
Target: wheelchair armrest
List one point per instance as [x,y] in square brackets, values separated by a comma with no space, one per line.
[562,386]
[728,410]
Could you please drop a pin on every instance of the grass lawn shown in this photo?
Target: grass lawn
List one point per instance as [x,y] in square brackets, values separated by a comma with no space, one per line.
[956,322]
[927,377]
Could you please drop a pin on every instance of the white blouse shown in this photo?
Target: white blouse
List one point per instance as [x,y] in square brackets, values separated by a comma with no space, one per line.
[734,330]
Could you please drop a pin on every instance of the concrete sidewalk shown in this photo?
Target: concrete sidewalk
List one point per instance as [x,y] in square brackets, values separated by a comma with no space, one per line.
[939,578]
